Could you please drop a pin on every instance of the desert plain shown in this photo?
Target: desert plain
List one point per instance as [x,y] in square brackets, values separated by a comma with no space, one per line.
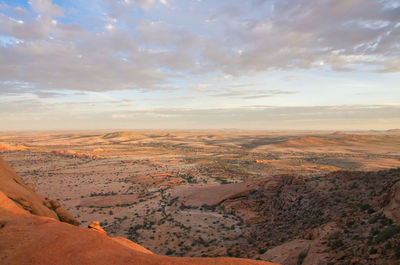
[218,192]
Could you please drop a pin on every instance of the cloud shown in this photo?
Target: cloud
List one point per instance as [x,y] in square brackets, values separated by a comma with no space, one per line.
[165,2]
[117,47]
[146,4]
[202,86]
[46,7]
[269,117]
[252,93]
[340,117]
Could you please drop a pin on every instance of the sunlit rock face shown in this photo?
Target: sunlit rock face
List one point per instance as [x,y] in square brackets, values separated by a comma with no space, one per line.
[31,233]
[25,196]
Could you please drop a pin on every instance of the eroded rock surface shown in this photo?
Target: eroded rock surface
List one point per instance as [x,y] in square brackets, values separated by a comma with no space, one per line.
[30,239]
[30,233]
[26,197]
[392,210]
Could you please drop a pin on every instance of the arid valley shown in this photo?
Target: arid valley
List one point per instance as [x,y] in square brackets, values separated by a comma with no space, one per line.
[175,132]
[318,197]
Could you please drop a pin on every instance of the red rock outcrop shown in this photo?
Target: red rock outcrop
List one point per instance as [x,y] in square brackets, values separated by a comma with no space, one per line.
[96,227]
[6,147]
[211,195]
[16,190]
[26,197]
[39,238]
[310,251]
[30,239]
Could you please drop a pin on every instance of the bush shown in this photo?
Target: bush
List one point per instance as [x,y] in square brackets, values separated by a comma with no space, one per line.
[337,244]
[388,233]
[397,251]
[365,207]
[301,258]
[373,251]
[350,223]
[388,245]
[261,251]
[374,231]
[374,219]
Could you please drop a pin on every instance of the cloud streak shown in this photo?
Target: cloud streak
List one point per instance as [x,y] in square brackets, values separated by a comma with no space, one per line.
[345,117]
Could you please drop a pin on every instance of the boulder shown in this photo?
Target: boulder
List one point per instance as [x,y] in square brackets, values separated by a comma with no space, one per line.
[65,216]
[287,253]
[96,227]
[392,210]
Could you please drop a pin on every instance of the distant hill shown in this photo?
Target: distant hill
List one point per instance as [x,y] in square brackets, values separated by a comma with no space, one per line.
[122,135]
[305,141]
[338,133]
[393,131]
[6,147]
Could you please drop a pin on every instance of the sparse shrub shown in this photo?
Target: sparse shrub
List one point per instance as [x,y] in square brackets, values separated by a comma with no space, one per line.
[388,233]
[373,250]
[397,251]
[301,258]
[388,245]
[350,223]
[374,219]
[337,244]
[354,186]
[374,231]
[386,221]
[364,207]
[261,251]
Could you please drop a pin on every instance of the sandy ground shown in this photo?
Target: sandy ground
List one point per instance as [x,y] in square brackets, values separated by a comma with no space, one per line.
[162,188]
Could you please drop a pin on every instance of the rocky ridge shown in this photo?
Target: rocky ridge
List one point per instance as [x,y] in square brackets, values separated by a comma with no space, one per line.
[339,218]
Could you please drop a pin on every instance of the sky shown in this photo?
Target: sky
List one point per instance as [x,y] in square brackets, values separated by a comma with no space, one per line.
[199,64]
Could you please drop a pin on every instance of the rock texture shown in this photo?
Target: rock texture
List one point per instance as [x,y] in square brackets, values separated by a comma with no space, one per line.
[312,251]
[30,239]
[31,234]
[127,243]
[212,195]
[289,252]
[26,197]
[392,210]
[5,147]
[95,226]
[344,217]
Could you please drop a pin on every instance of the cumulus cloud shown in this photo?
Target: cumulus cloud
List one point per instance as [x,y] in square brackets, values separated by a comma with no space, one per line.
[118,47]
[142,3]
[46,7]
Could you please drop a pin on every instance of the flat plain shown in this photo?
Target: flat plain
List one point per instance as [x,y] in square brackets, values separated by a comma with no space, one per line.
[191,193]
